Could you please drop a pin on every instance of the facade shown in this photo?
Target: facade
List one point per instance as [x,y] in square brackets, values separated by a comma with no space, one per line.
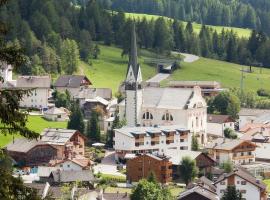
[253,116]
[237,151]
[216,124]
[150,139]
[40,93]
[142,166]
[92,93]
[71,164]
[56,114]
[6,74]
[248,185]
[209,88]
[72,83]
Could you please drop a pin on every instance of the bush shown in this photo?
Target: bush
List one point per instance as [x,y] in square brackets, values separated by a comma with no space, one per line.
[229,133]
[263,93]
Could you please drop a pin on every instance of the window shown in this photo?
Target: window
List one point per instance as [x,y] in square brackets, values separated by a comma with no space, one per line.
[249,153]
[197,121]
[140,169]
[238,182]
[242,153]
[182,140]
[68,166]
[147,115]
[243,182]
[58,116]
[167,117]
[222,183]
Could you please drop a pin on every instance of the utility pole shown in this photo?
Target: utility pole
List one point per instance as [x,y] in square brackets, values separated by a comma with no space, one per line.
[242,79]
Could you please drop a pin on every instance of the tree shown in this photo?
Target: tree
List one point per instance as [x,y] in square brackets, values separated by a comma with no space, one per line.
[227,166]
[194,143]
[76,118]
[229,133]
[188,169]
[93,128]
[70,56]
[152,177]
[62,99]
[96,51]
[231,194]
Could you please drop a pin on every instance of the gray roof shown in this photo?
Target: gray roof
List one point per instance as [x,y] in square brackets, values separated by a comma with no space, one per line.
[169,98]
[207,182]
[23,145]
[44,171]
[177,155]
[194,83]
[131,131]
[90,93]
[219,119]
[33,82]
[116,196]
[67,176]
[71,81]
[225,144]
[57,136]
[54,111]
[200,191]
[252,112]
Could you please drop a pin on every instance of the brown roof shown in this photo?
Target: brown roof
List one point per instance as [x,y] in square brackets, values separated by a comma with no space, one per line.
[244,175]
[201,191]
[34,82]
[116,196]
[91,93]
[72,81]
[83,162]
[219,119]
[252,112]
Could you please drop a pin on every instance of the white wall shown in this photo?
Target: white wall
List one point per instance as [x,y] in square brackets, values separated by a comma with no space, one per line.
[218,129]
[69,166]
[38,99]
[51,117]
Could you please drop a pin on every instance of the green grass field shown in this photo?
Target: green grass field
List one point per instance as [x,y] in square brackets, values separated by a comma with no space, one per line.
[228,74]
[35,123]
[241,32]
[267,182]
[110,69]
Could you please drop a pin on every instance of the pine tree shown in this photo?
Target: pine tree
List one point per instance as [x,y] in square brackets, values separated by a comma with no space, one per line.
[232,194]
[76,118]
[93,128]
[188,169]
[194,143]
[70,56]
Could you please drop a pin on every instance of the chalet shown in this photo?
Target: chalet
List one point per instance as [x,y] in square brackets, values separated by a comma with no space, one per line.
[60,176]
[142,165]
[31,152]
[44,173]
[216,124]
[203,161]
[40,93]
[56,114]
[238,151]
[91,104]
[72,83]
[247,115]
[91,93]
[198,192]
[74,164]
[248,185]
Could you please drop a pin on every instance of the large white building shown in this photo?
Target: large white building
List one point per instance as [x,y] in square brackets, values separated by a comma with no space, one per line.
[151,106]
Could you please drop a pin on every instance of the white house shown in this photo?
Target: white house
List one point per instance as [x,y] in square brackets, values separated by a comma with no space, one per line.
[40,91]
[216,124]
[247,115]
[150,139]
[56,114]
[248,185]
[6,74]
[151,106]
[71,164]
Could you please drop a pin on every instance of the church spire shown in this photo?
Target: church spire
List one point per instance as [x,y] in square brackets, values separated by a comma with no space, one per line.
[133,50]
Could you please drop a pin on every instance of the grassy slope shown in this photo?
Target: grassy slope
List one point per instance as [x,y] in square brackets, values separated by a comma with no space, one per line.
[35,123]
[110,69]
[241,32]
[228,74]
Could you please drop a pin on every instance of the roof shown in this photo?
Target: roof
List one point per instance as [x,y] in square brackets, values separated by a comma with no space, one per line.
[71,81]
[244,175]
[226,144]
[169,98]
[116,196]
[45,171]
[219,119]
[207,182]
[82,162]
[34,82]
[54,111]
[66,176]
[132,131]
[24,145]
[98,99]
[194,83]
[200,190]
[90,93]
[252,112]
[58,136]
[177,155]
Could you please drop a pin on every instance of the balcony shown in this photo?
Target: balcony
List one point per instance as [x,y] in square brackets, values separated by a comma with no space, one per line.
[169,141]
[154,143]
[137,144]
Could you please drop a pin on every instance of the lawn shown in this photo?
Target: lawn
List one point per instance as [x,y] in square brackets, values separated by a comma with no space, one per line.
[35,123]
[267,182]
[110,68]
[228,74]
[241,32]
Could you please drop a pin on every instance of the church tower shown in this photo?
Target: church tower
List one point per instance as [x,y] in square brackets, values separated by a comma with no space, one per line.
[133,85]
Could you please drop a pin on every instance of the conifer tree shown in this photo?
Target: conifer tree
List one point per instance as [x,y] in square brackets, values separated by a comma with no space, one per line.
[76,118]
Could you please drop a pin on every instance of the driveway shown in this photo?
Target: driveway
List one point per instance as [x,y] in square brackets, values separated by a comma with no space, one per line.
[108,165]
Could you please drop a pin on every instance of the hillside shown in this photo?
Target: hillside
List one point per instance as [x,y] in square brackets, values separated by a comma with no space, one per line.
[241,32]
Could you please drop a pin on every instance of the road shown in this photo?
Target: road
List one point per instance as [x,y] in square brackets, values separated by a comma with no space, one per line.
[189,58]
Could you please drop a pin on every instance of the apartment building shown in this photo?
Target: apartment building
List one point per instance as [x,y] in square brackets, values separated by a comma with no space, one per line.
[150,139]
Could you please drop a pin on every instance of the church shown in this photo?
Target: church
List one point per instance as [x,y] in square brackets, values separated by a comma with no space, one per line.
[161,106]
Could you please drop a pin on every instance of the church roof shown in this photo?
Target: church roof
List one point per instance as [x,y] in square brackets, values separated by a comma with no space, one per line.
[169,98]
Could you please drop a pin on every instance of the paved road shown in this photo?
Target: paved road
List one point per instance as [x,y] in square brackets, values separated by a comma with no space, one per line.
[157,78]
[189,58]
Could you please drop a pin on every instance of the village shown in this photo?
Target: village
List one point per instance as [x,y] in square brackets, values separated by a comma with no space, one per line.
[153,130]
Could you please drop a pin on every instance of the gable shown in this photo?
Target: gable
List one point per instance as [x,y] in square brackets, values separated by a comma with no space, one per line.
[130,75]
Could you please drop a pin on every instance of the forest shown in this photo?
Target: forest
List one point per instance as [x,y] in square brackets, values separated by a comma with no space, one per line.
[56,35]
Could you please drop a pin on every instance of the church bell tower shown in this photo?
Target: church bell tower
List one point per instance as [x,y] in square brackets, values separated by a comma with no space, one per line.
[133,85]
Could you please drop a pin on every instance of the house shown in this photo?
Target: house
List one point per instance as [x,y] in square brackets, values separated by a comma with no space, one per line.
[44,173]
[40,91]
[251,129]
[203,161]
[238,151]
[56,114]
[216,124]
[92,104]
[150,139]
[74,164]
[142,165]
[6,74]
[60,176]
[31,152]
[198,192]
[209,88]
[154,106]
[91,93]
[248,185]
[72,83]
[247,115]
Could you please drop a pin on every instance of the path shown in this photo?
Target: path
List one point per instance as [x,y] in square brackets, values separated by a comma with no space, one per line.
[155,80]
[189,58]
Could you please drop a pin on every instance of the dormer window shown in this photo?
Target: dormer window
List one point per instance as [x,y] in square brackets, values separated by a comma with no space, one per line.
[167,117]
[147,115]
